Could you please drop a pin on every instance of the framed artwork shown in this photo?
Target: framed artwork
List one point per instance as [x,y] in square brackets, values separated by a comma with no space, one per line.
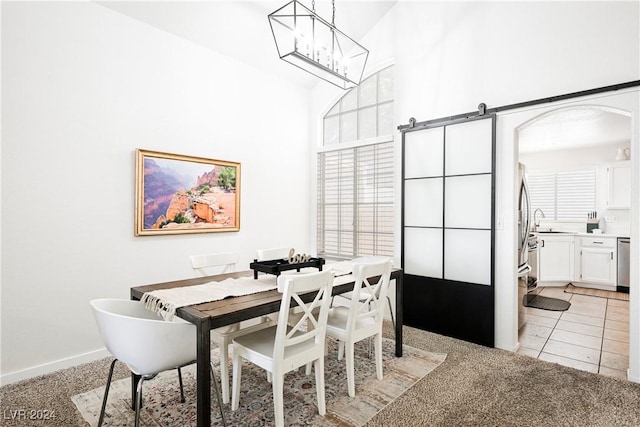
[178,194]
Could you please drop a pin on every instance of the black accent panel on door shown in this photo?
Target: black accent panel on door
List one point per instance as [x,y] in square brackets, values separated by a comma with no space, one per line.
[456,309]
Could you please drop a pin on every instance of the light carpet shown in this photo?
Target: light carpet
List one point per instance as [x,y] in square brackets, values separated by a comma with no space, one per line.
[162,406]
[571,289]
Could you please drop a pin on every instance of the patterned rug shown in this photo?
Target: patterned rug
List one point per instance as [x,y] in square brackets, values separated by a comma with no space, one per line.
[570,289]
[162,405]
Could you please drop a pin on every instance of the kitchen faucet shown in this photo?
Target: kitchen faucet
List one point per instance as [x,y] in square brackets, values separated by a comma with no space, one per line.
[536,223]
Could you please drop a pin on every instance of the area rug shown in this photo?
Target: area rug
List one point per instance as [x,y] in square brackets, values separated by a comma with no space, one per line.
[545,303]
[570,289]
[162,406]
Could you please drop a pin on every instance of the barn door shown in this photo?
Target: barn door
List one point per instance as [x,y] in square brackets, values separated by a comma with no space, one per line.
[448,199]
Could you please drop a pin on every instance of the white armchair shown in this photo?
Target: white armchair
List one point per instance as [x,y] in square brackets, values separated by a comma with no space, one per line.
[145,342]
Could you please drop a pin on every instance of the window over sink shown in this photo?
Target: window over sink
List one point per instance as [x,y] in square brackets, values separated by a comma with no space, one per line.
[567,195]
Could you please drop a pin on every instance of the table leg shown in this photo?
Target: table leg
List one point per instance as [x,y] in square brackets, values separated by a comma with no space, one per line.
[203,405]
[399,315]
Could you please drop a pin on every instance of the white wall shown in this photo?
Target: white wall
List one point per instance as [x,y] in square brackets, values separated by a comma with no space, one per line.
[83,87]
[453,56]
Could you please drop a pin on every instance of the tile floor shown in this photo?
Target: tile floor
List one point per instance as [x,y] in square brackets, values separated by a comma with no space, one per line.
[592,335]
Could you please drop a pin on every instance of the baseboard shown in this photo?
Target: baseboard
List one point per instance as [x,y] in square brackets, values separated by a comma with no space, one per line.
[632,379]
[47,368]
[510,348]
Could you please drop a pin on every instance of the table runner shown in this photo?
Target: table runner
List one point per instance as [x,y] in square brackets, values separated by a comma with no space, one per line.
[165,302]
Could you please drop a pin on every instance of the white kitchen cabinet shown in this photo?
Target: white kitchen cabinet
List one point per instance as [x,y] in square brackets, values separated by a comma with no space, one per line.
[556,255]
[597,262]
[619,185]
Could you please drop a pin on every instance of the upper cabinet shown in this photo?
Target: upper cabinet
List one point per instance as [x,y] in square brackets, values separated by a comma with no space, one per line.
[619,185]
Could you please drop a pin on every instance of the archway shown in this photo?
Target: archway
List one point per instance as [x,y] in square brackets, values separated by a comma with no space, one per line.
[511,126]
[568,153]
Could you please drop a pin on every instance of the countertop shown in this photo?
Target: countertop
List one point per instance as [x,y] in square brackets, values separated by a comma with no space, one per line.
[560,233]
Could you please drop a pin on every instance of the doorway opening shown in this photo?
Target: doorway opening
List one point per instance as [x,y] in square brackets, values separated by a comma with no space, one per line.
[570,155]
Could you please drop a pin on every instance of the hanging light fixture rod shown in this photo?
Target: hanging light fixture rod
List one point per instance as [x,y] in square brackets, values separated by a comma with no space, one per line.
[306,40]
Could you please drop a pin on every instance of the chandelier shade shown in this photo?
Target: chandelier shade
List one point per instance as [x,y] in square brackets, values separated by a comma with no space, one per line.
[309,42]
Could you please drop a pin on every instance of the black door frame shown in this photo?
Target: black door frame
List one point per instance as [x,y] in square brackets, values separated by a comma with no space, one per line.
[453,308]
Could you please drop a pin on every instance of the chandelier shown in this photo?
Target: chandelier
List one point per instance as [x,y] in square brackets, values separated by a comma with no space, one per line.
[309,42]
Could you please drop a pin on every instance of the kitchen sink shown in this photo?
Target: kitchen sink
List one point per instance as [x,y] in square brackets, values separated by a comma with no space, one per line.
[555,232]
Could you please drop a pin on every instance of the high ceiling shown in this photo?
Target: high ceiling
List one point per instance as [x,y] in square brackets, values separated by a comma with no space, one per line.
[240,29]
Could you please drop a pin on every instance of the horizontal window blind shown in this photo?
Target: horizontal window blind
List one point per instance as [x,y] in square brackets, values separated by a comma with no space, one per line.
[355,201]
[563,195]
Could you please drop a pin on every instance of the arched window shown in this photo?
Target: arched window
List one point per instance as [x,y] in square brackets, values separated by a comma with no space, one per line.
[356,172]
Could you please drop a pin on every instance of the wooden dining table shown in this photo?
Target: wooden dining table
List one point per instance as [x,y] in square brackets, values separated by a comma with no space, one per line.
[215,314]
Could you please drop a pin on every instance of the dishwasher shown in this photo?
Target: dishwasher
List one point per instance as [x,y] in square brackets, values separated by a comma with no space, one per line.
[622,284]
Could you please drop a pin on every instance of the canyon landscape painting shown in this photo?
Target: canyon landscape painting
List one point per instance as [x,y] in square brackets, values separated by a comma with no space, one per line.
[178,194]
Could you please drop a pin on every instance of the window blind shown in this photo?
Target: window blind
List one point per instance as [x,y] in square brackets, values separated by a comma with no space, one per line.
[563,195]
[355,201]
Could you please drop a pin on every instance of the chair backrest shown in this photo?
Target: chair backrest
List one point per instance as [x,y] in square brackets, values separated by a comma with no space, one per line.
[272,253]
[368,299]
[219,263]
[310,328]
[142,339]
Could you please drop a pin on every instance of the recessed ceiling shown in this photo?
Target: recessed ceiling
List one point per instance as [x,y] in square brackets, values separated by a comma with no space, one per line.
[575,128]
[240,29]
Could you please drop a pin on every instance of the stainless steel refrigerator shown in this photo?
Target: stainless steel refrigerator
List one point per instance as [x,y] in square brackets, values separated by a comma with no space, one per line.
[524,226]
[524,223]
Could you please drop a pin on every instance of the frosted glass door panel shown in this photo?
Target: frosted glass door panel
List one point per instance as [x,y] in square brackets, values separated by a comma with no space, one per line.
[468,201]
[423,252]
[468,148]
[423,152]
[467,255]
[423,202]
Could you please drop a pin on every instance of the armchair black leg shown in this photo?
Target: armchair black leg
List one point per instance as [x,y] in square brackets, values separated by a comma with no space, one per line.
[214,381]
[182,399]
[139,400]
[106,393]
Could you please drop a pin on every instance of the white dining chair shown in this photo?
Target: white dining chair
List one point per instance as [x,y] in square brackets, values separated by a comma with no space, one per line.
[363,318]
[272,253]
[296,312]
[219,263]
[146,343]
[283,348]
[364,293]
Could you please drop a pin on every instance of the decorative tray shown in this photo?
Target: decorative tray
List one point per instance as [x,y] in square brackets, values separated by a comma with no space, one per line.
[276,266]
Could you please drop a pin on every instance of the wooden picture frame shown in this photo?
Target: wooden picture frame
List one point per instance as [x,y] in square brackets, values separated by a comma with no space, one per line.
[179,194]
